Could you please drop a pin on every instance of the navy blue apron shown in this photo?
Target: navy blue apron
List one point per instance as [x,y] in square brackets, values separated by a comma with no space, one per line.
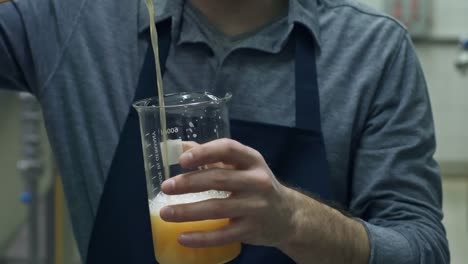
[122,229]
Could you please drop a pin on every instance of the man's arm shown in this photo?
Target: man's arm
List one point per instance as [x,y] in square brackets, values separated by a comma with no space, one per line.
[15,57]
[396,184]
[324,234]
[396,188]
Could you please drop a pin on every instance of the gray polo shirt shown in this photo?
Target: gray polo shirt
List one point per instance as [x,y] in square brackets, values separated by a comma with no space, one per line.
[82,59]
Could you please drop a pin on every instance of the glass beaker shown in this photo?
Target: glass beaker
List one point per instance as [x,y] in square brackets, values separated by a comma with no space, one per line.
[192,118]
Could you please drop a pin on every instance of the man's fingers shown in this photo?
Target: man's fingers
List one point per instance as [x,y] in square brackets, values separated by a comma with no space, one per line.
[209,179]
[186,145]
[226,151]
[231,233]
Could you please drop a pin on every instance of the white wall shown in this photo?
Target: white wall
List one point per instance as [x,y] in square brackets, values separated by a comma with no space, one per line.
[450,17]
[379,4]
[448,89]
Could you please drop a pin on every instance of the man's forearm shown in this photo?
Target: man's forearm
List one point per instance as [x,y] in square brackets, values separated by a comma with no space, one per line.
[324,235]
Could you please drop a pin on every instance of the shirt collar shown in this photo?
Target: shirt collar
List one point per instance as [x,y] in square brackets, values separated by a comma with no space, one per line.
[304,12]
[164,9]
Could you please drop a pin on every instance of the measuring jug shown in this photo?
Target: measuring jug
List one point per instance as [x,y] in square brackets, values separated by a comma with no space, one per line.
[192,118]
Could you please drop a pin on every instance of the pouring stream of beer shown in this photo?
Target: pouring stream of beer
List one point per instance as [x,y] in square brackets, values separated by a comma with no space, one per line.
[162,109]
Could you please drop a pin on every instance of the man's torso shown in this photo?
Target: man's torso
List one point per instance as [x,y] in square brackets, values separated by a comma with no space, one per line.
[88,56]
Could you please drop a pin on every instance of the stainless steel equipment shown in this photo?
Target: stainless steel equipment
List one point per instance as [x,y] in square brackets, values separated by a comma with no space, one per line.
[31,167]
[462,61]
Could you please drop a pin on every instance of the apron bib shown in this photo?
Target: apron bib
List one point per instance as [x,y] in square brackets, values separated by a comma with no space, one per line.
[122,229]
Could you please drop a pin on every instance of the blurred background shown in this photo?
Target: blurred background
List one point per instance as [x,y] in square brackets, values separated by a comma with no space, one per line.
[34,220]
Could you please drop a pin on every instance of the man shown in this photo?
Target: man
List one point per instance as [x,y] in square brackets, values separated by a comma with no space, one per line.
[357,123]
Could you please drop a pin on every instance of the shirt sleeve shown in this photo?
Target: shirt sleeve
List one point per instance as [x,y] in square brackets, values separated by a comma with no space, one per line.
[16,68]
[396,189]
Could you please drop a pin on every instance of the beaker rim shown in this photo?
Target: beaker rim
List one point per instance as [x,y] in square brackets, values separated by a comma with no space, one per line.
[153,102]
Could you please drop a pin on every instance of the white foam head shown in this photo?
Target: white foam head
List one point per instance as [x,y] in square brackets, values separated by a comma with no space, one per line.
[162,199]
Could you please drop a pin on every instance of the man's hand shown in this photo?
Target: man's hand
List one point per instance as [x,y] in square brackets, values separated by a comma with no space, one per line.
[261,210]
[258,207]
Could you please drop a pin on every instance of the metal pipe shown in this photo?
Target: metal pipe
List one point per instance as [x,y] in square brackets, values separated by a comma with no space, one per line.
[462,61]
[31,167]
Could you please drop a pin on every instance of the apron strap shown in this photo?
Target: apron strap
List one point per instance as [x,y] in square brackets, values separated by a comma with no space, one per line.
[147,85]
[307,97]
[296,155]
[122,229]
[308,119]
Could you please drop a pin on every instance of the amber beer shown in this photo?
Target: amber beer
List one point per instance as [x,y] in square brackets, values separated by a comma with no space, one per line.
[165,236]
